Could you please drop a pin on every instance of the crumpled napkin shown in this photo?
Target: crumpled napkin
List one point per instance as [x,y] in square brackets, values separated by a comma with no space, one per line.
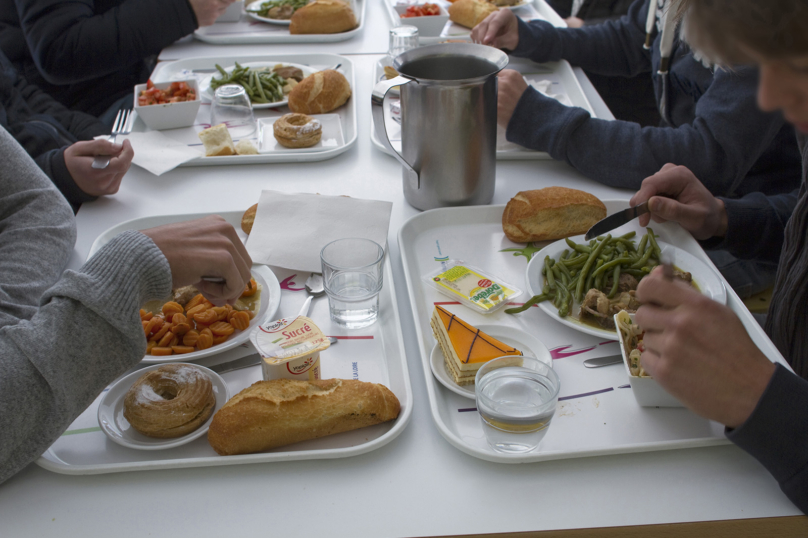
[290,230]
[158,153]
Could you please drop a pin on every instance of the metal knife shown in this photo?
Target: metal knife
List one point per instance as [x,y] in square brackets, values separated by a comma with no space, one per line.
[603,361]
[616,220]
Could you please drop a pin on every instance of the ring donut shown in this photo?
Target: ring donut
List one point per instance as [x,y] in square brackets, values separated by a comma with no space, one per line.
[297,130]
[171,401]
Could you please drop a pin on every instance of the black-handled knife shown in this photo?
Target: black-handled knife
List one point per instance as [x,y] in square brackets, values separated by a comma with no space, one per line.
[616,220]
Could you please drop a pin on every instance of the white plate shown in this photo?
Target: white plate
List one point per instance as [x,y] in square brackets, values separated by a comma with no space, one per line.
[270,301]
[517,6]
[118,429]
[526,343]
[255,6]
[207,92]
[332,135]
[705,278]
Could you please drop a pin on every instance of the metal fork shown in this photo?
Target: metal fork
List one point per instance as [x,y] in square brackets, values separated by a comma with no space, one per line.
[121,126]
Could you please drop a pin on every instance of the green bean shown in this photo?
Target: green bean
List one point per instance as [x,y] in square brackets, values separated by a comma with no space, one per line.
[643,259]
[533,300]
[576,261]
[611,264]
[579,248]
[652,242]
[629,235]
[565,254]
[643,242]
[585,271]
[598,276]
[615,281]
[548,272]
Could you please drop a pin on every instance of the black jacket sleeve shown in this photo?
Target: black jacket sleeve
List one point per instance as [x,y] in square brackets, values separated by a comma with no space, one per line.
[53,164]
[72,42]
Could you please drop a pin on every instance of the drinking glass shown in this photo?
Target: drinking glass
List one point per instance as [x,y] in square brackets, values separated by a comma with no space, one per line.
[232,106]
[352,277]
[402,39]
[516,402]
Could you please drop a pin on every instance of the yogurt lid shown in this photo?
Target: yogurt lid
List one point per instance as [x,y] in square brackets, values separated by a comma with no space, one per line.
[287,339]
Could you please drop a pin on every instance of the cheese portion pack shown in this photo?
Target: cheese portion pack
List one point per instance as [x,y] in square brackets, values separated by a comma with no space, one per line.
[472,287]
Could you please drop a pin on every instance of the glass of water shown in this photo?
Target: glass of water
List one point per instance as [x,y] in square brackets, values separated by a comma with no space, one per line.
[516,398]
[231,106]
[402,39]
[352,275]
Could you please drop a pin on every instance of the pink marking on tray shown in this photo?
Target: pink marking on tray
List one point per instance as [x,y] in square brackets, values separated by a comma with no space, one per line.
[608,342]
[559,353]
[287,283]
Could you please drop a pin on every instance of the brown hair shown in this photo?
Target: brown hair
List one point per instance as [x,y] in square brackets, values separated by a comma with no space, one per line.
[722,29]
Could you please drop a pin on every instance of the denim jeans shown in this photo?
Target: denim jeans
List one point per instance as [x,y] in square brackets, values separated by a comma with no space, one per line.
[746,277]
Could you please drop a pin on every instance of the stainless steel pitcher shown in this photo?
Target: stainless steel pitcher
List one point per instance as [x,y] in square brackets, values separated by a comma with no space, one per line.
[448,123]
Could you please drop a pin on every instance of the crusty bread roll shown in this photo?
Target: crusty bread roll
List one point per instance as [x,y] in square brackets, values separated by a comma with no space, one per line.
[323,17]
[248,219]
[217,141]
[550,213]
[280,412]
[319,93]
[470,13]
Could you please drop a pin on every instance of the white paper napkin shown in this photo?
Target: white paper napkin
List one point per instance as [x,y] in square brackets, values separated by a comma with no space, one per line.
[290,230]
[158,153]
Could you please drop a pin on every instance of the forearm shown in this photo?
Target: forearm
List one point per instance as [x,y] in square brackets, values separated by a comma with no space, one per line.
[71,43]
[776,434]
[613,48]
[85,334]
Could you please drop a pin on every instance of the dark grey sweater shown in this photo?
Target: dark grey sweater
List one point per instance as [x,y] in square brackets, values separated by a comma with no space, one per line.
[62,343]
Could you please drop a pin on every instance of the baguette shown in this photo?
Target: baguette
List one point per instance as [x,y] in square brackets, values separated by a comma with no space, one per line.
[280,412]
[550,213]
[470,13]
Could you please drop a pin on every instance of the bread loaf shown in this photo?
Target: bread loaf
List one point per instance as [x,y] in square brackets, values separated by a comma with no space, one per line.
[217,141]
[323,17]
[280,412]
[550,213]
[470,13]
[320,92]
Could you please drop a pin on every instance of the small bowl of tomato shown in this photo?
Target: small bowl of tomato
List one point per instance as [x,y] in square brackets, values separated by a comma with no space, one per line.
[428,18]
[167,105]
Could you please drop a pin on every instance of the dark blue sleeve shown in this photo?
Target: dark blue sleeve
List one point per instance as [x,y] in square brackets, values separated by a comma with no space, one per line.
[53,164]
[70,43]
[614,48]
[776,434]
[756,226]
[720,146]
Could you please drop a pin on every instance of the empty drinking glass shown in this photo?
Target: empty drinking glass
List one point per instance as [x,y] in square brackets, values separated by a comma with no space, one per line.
[232,106]
[402,39]
[352,275]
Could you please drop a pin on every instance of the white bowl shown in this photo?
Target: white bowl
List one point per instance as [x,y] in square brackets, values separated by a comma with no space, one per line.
[168,115]
[428,26]
[646,390]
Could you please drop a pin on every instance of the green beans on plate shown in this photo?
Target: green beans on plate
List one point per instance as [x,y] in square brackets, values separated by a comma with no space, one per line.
[597,264]
[261,83]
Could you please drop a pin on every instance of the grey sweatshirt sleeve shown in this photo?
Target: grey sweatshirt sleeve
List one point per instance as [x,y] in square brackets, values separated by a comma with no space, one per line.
[720,146]
[613,48]
[776,434]
[37,233]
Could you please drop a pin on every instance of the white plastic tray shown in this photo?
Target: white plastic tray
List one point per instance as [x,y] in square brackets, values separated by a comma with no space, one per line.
[248,31]
[559,73]
[374,354]
[184,69]
[597,413]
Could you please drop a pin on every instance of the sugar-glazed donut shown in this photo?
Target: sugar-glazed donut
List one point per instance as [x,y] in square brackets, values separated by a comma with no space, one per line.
[297,130]
[171,401]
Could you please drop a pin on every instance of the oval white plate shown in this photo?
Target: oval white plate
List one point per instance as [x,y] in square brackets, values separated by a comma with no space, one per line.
[254,7]
[526,343]
[118,429]
[705,278]
[207,92]
[270,301]
[517,6]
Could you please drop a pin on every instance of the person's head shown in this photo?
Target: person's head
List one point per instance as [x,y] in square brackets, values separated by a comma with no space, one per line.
[772,34]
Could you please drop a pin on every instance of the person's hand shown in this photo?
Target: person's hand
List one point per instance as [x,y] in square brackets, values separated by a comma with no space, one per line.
[698,350]
[93,181]
[500,29]
[511,86]
[574,22]
[207,11]
[674,193]
[205,247]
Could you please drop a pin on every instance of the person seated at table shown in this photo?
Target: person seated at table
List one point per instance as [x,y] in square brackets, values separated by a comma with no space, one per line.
[60,140]
[89,54]
[65,336]
[710,122]
[698,349]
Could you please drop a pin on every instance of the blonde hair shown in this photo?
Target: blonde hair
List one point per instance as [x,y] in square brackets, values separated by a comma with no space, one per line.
[725,29]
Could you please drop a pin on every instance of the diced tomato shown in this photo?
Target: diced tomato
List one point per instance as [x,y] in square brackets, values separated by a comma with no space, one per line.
[175,93]
[424,10]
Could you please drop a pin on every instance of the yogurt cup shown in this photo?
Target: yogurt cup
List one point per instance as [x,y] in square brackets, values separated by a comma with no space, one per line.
[290,348]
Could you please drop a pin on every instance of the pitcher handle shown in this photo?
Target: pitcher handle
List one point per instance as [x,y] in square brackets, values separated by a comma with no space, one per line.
[377,102]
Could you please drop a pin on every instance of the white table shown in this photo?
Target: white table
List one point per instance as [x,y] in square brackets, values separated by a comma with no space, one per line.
[418,485]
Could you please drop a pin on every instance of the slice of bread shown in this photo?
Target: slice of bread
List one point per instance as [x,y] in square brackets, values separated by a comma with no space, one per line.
[217,141]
